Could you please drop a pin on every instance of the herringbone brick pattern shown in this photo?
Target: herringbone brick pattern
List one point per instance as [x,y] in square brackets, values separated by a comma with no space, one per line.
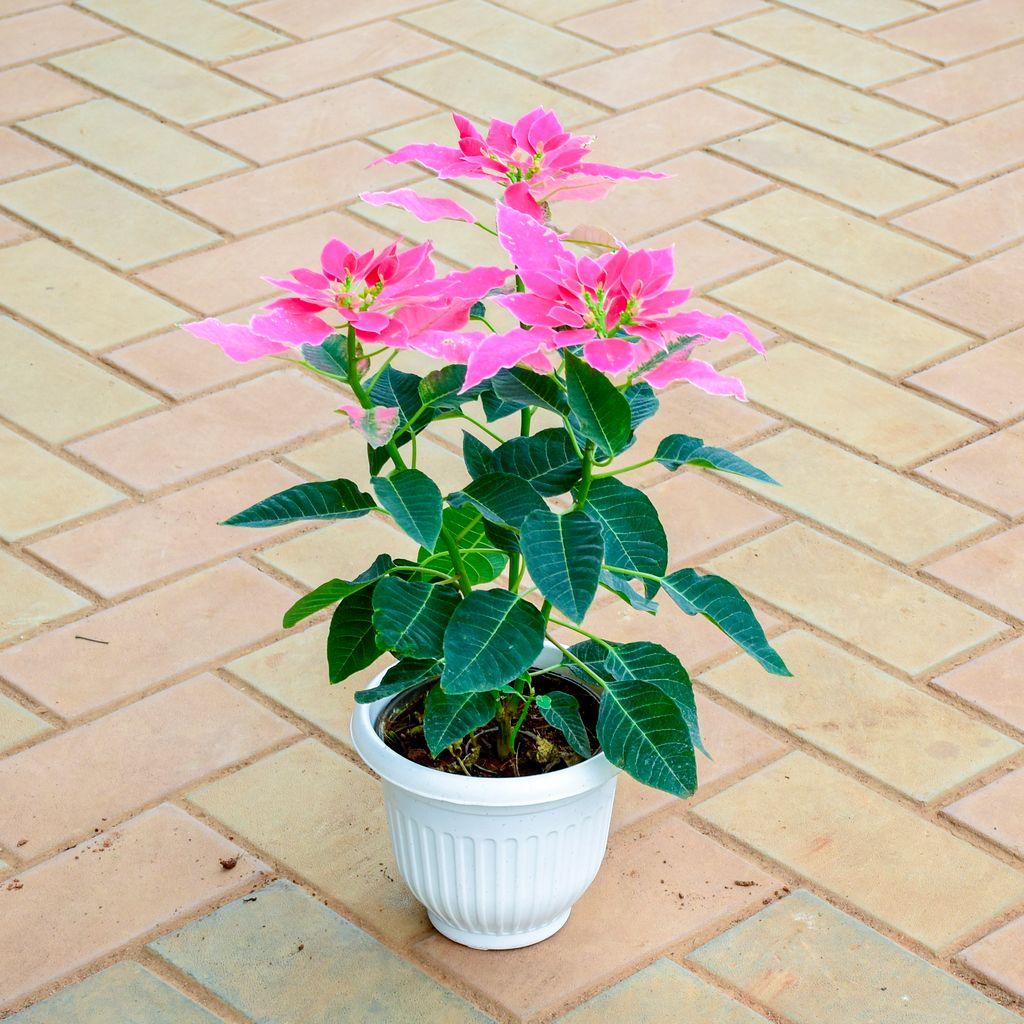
[185,832]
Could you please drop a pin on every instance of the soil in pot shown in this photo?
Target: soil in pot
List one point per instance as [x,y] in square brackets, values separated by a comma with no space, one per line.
[540,748]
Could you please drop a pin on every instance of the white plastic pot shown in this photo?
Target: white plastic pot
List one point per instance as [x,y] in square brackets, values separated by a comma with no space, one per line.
[498,863]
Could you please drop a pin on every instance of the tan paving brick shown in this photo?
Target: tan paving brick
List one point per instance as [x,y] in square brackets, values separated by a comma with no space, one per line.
[1000,957]
[146,543]
[995,811]
[906,623]
[866,718]
[111,222]
[148,638]
[333,115]
[843,319]
[42,490]
[60,788]
[19,155]
[970,29]
[151,871]
[825,106]
[684,882]
[991,682]
[17,725]
[55,394]
[984,297]
[29,599]
[969,150]
[991,571]
[11,231]
[37,34]
[851,406]
[543,10]
[97,309]
[30,90]
[330,60]
[280,805]
[658,71]
[193,27]
[864,15]
[170,86]
[307,18]
[207,432]
[930,885]
[642,22]
[161,158]
[853,178]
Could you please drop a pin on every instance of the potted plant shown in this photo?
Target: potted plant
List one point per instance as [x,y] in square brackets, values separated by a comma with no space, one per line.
[499,744]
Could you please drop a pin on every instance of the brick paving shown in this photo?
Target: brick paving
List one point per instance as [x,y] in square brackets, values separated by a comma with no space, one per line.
[849,174]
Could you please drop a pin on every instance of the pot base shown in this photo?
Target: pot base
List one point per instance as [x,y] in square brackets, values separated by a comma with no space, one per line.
[481,940]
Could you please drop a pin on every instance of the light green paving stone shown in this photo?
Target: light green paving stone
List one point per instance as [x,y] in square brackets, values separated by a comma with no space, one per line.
[16,725]
[81,302]
[123,994]
[806,960]
[159,81]
[28,598]
[198,29]
[660,994]
[159,157]
[863,15]
[109,221]
[286,958]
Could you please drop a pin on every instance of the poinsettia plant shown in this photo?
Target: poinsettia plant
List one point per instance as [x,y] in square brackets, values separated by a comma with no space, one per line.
[545,519]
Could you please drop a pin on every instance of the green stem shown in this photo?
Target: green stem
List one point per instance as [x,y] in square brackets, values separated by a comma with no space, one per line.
[582,632]
[482,426]
[361,393]
[587,477]
[524,422]
[457,563]
[632,573]
[383,366]
[625,469]
[527,702]
[572,657]
[515,571]
[484,227]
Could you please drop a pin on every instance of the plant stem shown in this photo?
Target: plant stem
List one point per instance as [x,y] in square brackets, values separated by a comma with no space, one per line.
[586,478]
[524,422]
[361,394]
[582,632]
[457,563]
[484,227]
[572,657]
[482,426]
[624,469]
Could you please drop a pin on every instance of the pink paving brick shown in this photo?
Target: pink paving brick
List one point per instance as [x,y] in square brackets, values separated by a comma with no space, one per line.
[642,22]
[147,639]
[307,18]
[992,571]
[30,90]
[999,957]
[969,29]
[993,682]
[39,34]
[995,811]
[19,155]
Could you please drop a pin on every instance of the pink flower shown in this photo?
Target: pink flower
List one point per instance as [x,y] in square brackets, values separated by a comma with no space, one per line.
[535,159]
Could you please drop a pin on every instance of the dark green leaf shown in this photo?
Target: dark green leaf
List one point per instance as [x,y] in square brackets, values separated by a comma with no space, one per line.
[563,556]
[411,618]
[440,389]
[501,498]
[643,403]
[478,311]
[397,388]
[414,501]
[547,460]
[722,604]
[450,717]
[682,450]
[466,526]
[502,537]
[564,714]
[329,499]
[331,356]
[524,388]
[493,637]
[621,586]
[352,638]
[402,676]
[334,590]
[495,408]
[602,412]
[476,455]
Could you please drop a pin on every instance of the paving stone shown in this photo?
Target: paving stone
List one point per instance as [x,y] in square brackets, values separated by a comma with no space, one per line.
[124,992]
[197,436]
[657,71]
[983,297]
[991,682]
[104,219]
[543,10]
[161,158]
[852,406]
[330,60]
[148,639]
[906,623]
[853,178]
[56,395]
[964,152]
[333,115]
[37,34]
[807,960]
[643,22]
[864,15]
[17,725]
[860,499]
[30,90]
[98,309]
[338,973]
[28,598]
[59,789]
[995,811]
[825,106]
[150,77]
[1000,957]
[970,29]
[244,202]
[146,543]
[987,471]
[193,27]
[43,490]
[306,18]
[841,318]
[323,817]
[658,993]
[852,247]
[96,897]
[930,886]
[11,231]
[992,571]
[866,718]
[19,155]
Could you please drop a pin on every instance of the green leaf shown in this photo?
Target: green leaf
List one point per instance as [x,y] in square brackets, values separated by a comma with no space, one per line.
[402,676]
[376,426]
[328,499]
[724,606]
[643,403]
[495,408]
[547,461]
[397,388]
[466,526]
[621,586]
[334,590]
[330,356]
[449,717]
[414,501]
[499,497]
[440,389]
[524,388]
[682,450]
[493,637]
[478,311]
[602,412]
[634,538]
[352,638]
[563,556]
[411,617]
[476,455]
[563,713]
